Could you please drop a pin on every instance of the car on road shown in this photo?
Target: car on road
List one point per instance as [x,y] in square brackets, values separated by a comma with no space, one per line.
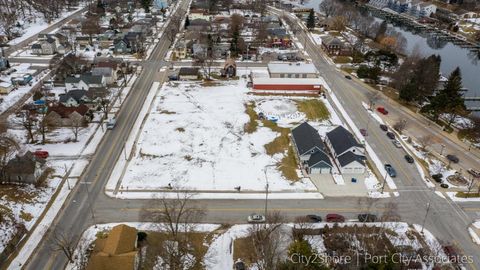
[404,137]
[111,123]
[453,158]
[335,218]
[391,135]
[409,158]
[41,154]
[382,110]
[438,177]
[397,143]
[348,77]
[384,127]
[444,185]
[314,218]
[390,170]
[474,172]
[256,218]
[367,218]
[363,132]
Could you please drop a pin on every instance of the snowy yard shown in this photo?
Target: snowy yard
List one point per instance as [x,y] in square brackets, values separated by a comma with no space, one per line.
[202,144]
[220,255]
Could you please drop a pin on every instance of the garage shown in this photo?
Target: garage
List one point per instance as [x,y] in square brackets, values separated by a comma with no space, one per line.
[320,170]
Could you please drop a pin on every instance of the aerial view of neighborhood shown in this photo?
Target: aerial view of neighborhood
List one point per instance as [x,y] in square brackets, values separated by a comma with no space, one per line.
[239,134]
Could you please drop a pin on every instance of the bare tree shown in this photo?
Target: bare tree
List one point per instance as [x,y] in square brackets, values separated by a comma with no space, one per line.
[63,242]
[301,227]
[400,125]
[329,7]
[8,148]
[267,241]
[77,121]
[177,218]
[373,97]
[28,122]
[174,26]
[425,141]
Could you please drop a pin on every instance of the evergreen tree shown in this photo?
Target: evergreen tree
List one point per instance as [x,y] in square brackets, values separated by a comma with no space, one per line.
[187,22]
[311,19]
[449,99]
[408,92]
[146,5]
[381,31]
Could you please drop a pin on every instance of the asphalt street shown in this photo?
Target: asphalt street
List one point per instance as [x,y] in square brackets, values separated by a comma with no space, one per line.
[446,219]
[88,205]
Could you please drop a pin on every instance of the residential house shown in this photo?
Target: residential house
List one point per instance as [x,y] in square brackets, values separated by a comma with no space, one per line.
[26,169]
[116,251]
[82,41]
[5,88]
[107,72]
[121,46]
[278,38]
[229,68]
[422,9]
[292,70]
[199,25]
[188,73]
[198,14]
[46,46]
[334,46]
[74,98]
[310,149]
[400,6]
[61,115]
[469,15]
[134,41]
[347,152]
[84,81]
[180,50]
[221,50]
[199,50]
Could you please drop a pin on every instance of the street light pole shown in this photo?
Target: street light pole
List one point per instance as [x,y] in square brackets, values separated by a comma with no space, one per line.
[441,150]
[428,209]
[384,181]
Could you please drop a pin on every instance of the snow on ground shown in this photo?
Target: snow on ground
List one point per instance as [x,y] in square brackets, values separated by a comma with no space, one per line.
[219,255]
[38,25]
[473,231]
[201,144]
[317,39]
[453,197]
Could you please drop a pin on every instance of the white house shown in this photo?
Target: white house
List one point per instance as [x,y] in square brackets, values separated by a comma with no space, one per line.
[347,152]
[85,81]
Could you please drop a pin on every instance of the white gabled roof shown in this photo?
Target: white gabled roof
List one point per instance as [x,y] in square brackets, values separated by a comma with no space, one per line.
[288,81]
[292,68]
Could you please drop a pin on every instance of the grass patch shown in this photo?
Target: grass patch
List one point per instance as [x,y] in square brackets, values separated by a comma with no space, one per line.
[280,143]
[180,129]
[463,194]
[17,194]
[252,125]
[342,59]
[349,70]
[243,249]
[25,216]
[167,112]
[289,165]
[188,158]
[314,109]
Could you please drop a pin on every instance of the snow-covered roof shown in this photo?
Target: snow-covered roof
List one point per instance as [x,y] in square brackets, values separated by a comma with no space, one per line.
[5,84]
[292,68]
[288,81]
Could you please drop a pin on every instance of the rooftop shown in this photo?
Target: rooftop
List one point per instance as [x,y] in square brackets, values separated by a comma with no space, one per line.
[292,68]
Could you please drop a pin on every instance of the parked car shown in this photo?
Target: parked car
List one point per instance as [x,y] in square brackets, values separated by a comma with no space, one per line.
[444,185]
[363,131]
[453,158]
[382,110]
[256,218]
[391,135]
[384,127]
[438,177]
[367,218]
[173,77]
[390,170]
[335,218]
[111,123]
[348,77]
[239,265]
[314,218]
[474,172]
[41,154]
[404,137]
[397,143]
[409,159]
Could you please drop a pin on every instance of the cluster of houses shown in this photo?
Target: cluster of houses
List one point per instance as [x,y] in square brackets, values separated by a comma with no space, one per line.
[288,77]
[338,149]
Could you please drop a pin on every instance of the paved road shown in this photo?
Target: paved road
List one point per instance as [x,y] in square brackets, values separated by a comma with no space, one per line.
[76,215]
[447,220]
[7,51]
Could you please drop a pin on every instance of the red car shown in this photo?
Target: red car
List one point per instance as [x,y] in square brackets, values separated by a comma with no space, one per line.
[363,132]
[382,110]
[41,154]
[335,218]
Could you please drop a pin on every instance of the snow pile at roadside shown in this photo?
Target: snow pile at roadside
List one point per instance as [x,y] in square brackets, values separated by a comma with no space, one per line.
[473,232]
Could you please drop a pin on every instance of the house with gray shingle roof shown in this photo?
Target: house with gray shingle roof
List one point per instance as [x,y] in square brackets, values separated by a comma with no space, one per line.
[74,98]
[84,81]
[26,169]
[310,149]
[347,152]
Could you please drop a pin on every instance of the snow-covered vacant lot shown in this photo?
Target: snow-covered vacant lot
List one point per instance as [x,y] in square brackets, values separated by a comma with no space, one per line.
[194,138]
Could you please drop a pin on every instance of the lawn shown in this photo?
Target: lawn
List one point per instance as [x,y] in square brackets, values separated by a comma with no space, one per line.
[314,109]
[467,195]
[252,125]
[342,59]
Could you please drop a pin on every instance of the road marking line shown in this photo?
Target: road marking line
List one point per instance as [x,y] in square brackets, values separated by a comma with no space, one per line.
[263,209]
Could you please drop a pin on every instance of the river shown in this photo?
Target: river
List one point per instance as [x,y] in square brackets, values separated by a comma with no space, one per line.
[452,55]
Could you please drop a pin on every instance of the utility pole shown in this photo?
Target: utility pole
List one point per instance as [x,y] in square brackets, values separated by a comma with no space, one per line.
[384,181]
[428,209]
[441,150]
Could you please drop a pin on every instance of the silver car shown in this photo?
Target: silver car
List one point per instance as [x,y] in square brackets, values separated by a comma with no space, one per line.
[256,218]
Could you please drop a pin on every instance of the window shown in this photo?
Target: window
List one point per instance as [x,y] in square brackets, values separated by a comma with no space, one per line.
[304,75]
[289,75]
[297,75]
[282,75]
